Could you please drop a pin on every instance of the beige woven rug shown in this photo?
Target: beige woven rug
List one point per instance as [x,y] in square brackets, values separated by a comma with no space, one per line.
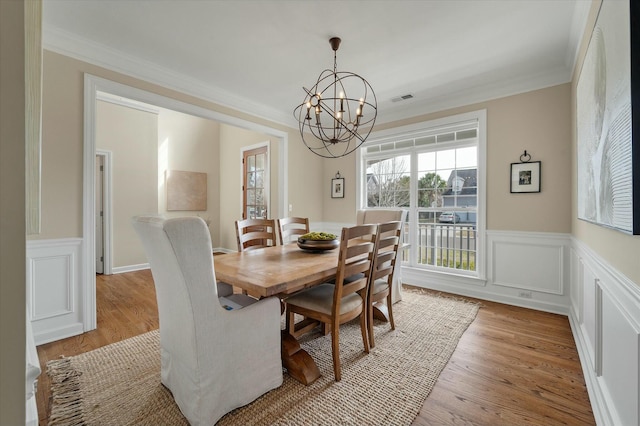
[119,384]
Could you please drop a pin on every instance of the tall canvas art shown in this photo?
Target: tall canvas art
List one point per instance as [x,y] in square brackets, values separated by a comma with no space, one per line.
[604,122]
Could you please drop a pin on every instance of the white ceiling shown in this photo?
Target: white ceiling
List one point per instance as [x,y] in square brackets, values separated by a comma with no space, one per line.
[255,55]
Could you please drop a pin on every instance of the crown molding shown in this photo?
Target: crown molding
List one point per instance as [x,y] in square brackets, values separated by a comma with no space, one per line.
[67,44]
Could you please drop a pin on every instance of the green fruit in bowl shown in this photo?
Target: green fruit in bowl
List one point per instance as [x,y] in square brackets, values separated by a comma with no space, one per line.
[318,236]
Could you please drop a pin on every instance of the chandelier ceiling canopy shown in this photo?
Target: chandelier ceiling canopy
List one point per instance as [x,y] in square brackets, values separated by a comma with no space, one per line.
[338,112]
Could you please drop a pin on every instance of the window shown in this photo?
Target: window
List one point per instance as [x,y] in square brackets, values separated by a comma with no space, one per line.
[436,171]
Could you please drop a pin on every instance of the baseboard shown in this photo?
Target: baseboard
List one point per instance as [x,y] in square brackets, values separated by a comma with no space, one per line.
[130,268]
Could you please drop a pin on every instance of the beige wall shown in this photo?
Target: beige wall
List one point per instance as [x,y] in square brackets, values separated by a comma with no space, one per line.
[537,121]
[132,137]
[12,213]
[62,149]
[192,144]
[622,251]
[306,182]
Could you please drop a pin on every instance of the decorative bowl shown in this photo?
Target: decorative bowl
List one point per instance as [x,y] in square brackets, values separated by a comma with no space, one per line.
[318,242]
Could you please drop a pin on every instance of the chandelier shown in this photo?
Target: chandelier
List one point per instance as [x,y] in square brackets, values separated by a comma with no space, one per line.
[338,112]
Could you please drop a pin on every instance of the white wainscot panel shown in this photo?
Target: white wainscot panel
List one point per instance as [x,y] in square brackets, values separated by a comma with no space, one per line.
[590,325]
[620,361]
[606,326]
[54,293]
[528,261]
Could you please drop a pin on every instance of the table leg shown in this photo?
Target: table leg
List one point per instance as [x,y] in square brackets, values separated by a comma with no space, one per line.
[297,361]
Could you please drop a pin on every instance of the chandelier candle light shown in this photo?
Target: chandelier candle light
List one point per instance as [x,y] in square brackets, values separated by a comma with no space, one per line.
[338,121]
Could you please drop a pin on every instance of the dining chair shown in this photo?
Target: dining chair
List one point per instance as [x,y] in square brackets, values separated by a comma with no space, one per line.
[335,304]
[255,233]
[382,272]
[381,216]
[218,350]
[291,226]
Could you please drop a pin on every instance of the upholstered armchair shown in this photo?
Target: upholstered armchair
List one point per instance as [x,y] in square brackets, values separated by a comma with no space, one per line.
[213,358]
[377,216]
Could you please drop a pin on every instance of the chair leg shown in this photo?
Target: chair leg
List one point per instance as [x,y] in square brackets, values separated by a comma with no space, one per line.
[364,328]
[390,309]
[372,342]
[335,349]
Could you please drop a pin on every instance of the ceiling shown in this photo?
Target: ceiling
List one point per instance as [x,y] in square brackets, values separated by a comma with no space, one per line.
[256,55]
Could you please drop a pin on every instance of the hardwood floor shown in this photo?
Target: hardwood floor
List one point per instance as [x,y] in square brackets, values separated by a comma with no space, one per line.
[513,366]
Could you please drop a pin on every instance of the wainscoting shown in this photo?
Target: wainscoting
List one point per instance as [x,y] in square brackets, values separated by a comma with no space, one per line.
[605,320]
[528,269]
[544,271]
[55,292]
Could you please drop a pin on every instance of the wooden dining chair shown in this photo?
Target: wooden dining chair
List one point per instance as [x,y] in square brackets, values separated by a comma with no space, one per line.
[291,226]
[255,233]
[335,304]
[382,273]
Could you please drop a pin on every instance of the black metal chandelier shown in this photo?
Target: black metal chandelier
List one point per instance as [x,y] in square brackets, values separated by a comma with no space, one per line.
[335,120]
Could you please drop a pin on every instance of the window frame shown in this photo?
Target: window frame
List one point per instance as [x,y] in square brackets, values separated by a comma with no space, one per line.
[426,129]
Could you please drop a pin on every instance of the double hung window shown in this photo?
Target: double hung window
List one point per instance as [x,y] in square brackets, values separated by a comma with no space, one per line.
[436,171]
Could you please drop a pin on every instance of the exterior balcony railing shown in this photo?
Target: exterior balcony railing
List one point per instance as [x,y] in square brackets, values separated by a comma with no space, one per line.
[446,245]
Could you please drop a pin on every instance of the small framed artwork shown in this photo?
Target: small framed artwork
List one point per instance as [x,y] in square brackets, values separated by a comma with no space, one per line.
[337,187]
[525,177]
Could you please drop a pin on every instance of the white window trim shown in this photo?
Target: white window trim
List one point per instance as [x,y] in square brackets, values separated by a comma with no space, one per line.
[438,126]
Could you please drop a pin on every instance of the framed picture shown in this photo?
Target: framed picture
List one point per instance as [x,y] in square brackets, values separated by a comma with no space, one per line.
[337,188]
[608,121]
[525,177]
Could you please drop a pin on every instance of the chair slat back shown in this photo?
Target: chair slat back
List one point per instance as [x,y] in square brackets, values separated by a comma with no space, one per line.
[387,243]
[357,248]
[255,233]
[291,226]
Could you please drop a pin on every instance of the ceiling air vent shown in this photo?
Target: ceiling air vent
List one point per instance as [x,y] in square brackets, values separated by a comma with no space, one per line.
[402,98]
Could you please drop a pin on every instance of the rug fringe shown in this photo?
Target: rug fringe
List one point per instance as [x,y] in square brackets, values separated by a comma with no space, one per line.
[65,385]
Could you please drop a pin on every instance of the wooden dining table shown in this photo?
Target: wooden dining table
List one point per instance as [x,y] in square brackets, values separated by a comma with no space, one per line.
[280,271]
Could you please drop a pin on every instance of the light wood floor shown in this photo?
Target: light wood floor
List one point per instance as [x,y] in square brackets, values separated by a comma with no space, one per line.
[513,366]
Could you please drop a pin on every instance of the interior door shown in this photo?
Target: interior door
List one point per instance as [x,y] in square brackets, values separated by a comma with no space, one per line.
[255,172]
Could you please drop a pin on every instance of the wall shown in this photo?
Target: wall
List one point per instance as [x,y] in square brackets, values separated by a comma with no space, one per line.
[618,249]
[192,144]
[12,213]
[62,117]
[538,121]
[605,298]
[131,136]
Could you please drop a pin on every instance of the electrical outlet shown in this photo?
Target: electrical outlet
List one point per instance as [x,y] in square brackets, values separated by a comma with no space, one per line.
[525,294]
[290,208]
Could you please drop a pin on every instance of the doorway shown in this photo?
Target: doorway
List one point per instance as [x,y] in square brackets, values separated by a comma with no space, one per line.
[102,212]
[93,85]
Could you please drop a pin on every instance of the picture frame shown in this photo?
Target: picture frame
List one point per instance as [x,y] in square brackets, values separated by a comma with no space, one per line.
[608,121]
[525,177]
[337,188]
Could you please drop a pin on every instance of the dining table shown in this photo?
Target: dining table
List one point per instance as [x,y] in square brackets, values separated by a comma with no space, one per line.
[280,271]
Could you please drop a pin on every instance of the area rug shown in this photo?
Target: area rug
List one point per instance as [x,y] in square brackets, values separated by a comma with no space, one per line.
[119,384]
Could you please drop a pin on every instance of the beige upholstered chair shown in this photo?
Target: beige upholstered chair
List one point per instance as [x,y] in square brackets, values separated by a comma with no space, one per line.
[336,304]
[384,265]
[291,227]
[255,233]
[213,360]
[380,216]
